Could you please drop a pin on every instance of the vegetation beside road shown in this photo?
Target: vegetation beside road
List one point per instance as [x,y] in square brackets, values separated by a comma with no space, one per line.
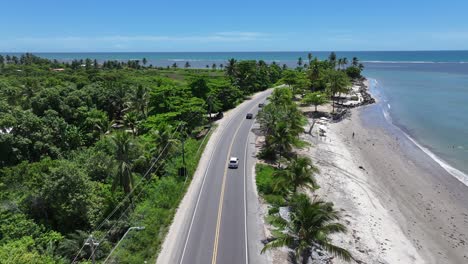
[286,177]
[92,148]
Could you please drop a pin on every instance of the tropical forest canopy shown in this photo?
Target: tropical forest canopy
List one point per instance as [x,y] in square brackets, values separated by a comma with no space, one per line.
[94,148]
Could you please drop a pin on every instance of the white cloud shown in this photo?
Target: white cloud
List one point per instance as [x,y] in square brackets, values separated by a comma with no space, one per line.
[117,39]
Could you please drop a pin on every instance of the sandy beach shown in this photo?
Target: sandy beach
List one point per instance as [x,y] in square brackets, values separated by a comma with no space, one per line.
[400,206]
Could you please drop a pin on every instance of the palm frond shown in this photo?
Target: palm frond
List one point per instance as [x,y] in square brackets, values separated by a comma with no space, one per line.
[337,251]
[282,241]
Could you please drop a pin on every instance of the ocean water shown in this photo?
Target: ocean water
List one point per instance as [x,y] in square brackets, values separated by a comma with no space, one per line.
[429,102]
[201,59]
[425,93]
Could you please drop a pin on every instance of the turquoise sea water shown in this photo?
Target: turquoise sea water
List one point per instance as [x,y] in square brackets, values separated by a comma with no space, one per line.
[425,93]
[430,104]
[200,59]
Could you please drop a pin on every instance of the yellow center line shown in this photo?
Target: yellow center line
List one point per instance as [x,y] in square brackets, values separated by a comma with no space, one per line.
[221,197]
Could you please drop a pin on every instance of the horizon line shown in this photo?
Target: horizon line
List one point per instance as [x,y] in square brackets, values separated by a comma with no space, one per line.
[264,51]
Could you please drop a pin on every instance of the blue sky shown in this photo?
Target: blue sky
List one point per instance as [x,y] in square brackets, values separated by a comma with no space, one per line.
[254,25]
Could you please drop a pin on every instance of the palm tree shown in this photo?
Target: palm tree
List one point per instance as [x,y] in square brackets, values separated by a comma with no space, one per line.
[117,99]
[310,225]
[355,62]
[361,66]
[231,68]
[123,144]
[314,72]
[309,56]
[145,61]
[299,61]
[187,65]
[281,140]
[345,61]
[163,144]
[340,63]
[72,243]
[131,121]
[337,82]
[332,59]
[139,100]
[299,173]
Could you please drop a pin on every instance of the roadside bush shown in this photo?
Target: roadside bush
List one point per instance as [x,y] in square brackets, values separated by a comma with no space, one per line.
[264,178]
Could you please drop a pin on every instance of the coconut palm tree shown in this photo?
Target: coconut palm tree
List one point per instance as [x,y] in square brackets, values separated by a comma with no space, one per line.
[310,225]
[231,68]
[131,121]
[299,61]
[332,59]
[72,243]
[298,173]
[122,144]
[139,100]
[164,143]
[355,62]
[281,140]
[345,61]
[337,82]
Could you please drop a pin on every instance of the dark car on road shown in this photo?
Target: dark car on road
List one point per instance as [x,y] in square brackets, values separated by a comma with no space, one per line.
[249,116]
[261,105]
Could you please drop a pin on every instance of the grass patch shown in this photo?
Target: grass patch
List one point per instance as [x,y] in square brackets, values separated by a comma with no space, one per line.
[266,185]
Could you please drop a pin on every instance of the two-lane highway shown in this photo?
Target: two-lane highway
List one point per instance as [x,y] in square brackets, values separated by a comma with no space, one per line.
[218,228]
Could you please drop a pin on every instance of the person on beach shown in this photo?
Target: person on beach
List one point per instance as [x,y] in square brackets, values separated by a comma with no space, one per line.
[353,134]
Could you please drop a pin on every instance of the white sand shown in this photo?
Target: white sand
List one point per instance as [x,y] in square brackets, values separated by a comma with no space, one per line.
[399,207]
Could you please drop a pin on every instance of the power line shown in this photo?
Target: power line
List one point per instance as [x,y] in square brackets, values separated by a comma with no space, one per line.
[131,192]
[121,215]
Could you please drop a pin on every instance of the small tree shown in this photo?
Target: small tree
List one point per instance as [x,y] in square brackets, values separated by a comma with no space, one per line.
[187,65]
[298,173]
[316,99]
[337,82]
[310,226]
[289,77]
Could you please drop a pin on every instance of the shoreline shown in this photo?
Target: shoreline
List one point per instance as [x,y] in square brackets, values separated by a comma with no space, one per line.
[460,175]
[400,205]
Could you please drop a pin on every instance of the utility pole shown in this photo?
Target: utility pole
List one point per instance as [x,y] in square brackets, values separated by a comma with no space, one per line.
[183,151]
[92,244]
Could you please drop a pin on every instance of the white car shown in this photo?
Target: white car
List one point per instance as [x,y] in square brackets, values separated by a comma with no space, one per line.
[233,163]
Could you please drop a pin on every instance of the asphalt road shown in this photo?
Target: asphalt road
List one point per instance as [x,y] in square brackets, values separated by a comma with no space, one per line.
[222,227]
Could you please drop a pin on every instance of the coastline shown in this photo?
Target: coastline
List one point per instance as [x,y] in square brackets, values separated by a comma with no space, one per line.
[400,205]
[457,173]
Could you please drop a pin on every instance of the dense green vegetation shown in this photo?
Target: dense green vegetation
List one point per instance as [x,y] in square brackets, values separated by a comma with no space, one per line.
[88,148]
